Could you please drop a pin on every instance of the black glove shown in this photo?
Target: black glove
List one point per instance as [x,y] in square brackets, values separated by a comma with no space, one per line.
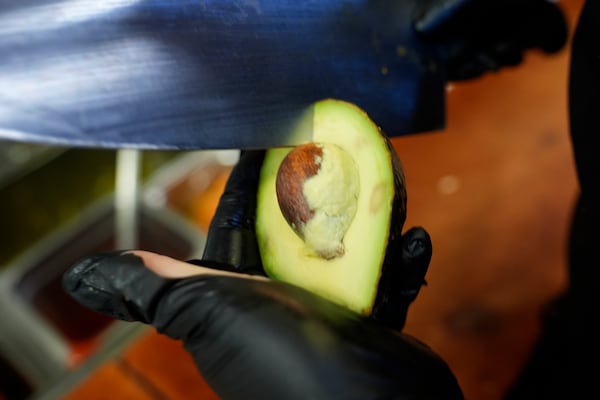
[253,338]
[256,338]
[477,36]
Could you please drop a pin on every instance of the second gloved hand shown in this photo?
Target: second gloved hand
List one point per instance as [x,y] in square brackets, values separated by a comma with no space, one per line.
[478,36]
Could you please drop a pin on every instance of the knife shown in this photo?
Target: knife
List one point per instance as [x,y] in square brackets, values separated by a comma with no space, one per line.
[211,74]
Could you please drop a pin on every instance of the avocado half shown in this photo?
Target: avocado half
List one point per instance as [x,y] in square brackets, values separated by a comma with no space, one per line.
[327,211]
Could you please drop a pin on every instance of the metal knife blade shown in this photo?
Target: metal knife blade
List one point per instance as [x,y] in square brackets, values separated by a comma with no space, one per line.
[211,74]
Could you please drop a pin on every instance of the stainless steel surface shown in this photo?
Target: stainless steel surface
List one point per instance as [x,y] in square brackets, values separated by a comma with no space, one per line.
[127,204]
[33,342]
[17,159]
[216,74]
[31,338]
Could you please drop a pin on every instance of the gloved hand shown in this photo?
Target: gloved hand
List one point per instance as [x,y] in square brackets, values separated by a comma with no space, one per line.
[256,338]
[478,36]
[231,244]
[253,338]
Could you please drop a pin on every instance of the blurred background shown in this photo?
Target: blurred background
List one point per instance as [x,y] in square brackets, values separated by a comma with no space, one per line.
[495,190]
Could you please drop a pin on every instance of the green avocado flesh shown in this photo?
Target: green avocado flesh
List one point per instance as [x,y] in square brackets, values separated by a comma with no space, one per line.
[351,278]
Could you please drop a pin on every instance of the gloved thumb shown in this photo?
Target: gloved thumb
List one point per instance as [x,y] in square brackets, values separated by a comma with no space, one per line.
[127,285]
[124,290]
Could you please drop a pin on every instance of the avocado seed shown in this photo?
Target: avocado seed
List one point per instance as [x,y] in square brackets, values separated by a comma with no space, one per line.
[317,188]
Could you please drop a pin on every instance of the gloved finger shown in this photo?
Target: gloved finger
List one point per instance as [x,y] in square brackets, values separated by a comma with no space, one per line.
[231,240]
[116,284]
[402,278]
[126,285]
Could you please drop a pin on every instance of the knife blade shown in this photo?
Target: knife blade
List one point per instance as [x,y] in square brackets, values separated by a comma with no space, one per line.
[211,74]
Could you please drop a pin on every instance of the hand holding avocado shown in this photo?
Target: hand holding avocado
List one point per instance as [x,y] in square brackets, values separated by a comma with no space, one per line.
[275,339]
[255,338]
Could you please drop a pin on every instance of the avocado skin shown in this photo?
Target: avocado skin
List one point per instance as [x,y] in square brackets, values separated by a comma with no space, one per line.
[395,285]
[389,301]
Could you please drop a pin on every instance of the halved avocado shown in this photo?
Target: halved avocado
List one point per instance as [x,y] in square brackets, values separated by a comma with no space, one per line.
[350,185]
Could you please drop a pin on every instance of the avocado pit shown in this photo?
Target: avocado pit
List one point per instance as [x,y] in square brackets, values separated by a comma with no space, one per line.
[317,187]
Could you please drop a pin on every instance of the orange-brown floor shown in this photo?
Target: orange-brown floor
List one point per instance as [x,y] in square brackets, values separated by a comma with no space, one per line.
[495,190]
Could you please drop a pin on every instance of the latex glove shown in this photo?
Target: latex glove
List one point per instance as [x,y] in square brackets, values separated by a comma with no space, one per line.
[253,338]
[231,244]
[478,36]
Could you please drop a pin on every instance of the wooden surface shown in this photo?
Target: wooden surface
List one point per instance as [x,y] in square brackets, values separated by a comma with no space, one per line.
[495,190]
[154,367]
